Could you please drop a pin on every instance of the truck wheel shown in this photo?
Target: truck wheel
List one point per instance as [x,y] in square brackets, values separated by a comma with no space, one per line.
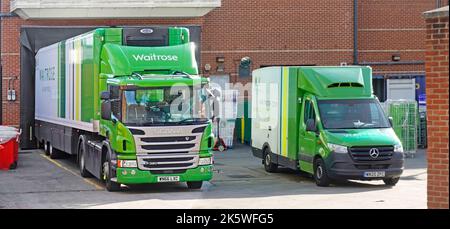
[269,166]
[46,148]
[53,153]
[194,184]
[391,181]
[320,173]
[82,160]
[111,186]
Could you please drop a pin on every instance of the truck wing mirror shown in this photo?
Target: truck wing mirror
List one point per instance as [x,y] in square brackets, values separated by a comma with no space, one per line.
[311,125]
[105,95]
[391,121]
[106,110]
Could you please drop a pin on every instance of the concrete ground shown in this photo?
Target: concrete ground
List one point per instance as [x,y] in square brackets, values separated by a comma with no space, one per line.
[239,182]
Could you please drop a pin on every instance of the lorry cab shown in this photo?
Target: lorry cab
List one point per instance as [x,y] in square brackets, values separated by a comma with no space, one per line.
[129,103]
[328,123]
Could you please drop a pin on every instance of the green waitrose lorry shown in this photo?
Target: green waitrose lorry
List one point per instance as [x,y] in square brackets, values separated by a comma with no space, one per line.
[324,121]
[129,103]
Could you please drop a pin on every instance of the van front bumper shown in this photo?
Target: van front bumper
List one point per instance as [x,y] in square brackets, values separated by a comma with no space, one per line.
[342,166]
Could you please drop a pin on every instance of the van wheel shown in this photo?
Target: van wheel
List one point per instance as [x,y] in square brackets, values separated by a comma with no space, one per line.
[269,166]
[46,148]
[82,161]
[53,153]
[111,186]
[321,174]
[391,181]
[194,184]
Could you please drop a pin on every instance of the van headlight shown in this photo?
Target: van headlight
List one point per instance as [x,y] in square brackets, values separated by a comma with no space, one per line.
[398,148]
[337,148]
[205,161]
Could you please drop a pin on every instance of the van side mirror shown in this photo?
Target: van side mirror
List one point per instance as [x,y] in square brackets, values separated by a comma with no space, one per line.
[105,95]
[311,125]
[391,121]
[106,110]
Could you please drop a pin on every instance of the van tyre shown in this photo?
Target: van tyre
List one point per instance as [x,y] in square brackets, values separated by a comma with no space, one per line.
[321,174]
[269,166]
[111,186]
[82,160]
[194,184]
[391,181]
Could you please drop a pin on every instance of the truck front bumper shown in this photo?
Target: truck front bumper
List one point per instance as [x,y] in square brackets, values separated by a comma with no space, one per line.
[342,166]
[127,176]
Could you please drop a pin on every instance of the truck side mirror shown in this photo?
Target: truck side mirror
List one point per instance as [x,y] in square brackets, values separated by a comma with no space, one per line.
[106,110]
[391,121]
[105,95]
[311,125]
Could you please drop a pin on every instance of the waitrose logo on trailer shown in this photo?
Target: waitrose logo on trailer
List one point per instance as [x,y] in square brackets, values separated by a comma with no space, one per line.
[154,57]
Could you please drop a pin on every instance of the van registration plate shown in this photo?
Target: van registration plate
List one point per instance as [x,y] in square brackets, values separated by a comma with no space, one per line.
[375,174]
[168,179]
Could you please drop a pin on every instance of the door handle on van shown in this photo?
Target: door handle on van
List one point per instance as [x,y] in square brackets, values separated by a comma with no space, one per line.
[270,128]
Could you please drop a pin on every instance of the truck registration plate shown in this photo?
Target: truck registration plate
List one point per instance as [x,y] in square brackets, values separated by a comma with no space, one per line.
[169,179]
[374,174]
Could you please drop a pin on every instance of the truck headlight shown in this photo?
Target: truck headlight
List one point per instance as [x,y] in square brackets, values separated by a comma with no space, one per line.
[127,163]
[398,148]
[337,148]
[205,161]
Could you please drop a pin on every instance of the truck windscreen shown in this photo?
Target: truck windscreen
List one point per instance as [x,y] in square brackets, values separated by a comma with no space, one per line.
[352,114]
[164,106]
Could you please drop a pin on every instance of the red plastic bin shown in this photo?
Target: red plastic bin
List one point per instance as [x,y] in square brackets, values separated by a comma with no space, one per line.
[9,147]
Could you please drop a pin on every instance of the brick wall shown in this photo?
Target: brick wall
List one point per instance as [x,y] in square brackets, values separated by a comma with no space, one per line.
[270,32]
[437,99]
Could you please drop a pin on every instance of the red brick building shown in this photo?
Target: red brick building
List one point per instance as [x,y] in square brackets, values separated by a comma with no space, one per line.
[436,57]
[280,32]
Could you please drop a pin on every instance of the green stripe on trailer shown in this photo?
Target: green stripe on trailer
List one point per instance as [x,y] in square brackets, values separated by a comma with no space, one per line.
[87,68]
[62,79]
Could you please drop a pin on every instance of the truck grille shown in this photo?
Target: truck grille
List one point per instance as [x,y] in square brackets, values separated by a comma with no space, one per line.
[167,161]
[168,150]
[362,153]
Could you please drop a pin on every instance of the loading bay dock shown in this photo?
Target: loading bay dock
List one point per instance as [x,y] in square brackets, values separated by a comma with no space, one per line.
[239,182]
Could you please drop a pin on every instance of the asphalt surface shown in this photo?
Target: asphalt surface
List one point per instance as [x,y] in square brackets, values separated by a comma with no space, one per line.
[239,182]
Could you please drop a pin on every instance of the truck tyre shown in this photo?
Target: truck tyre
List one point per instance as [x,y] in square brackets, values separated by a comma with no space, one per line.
[391,181]
[82,160]
[111,186]
[194,184]
[53,153]
[46,148]
[320,173]
[269,166]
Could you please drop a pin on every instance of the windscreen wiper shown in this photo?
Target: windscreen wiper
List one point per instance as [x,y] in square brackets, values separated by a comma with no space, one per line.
[190,119]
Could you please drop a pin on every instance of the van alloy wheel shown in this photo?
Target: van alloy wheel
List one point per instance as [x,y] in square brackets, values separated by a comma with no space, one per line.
[269,166]
[320,173]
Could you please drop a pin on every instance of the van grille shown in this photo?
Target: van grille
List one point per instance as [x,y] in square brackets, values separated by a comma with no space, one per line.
[362,153]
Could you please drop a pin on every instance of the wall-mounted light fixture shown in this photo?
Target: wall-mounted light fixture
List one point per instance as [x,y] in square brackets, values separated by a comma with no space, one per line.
[396,57]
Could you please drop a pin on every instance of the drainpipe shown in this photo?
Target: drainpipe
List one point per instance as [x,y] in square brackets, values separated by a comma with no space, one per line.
[355,33]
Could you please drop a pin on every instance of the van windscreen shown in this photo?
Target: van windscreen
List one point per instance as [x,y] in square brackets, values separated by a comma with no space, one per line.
[352,114]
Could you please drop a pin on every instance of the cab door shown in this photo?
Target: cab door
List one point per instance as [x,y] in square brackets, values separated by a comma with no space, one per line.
[308,138]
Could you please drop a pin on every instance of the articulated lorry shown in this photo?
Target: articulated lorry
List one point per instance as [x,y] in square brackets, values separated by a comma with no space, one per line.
[324,121]
[129,103]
